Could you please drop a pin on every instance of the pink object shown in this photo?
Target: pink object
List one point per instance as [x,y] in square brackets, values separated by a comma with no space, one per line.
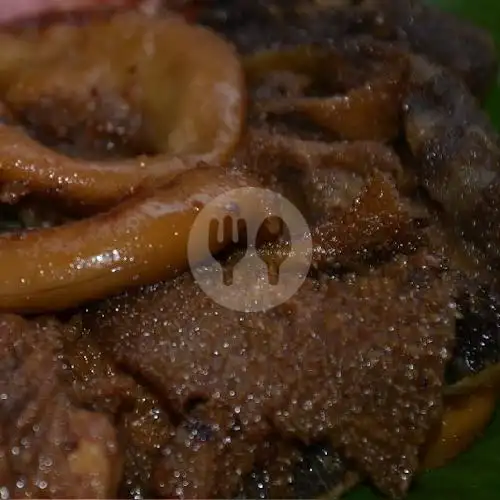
[14,10]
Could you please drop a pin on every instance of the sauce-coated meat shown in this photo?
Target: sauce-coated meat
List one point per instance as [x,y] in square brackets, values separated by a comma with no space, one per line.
[309,370]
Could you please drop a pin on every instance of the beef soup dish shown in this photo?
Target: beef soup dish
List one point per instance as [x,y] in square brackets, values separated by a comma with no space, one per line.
[121,377]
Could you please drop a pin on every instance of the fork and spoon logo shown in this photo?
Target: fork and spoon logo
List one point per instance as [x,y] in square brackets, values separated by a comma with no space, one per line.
[250,281]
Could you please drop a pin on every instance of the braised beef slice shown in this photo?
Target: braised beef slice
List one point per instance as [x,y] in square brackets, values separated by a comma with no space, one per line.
[360,363]
[49,447]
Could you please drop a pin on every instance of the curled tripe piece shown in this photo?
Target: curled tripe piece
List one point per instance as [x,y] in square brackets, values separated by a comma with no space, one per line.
[362,104]
[175,90]
[141,241]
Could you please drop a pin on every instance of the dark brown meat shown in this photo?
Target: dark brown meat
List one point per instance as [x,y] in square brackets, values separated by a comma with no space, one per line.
[427,30]
[351,91]
[49,446]
[360,363]
[257,24]
[458,153]
[477,344]
[295,471]
[467,50]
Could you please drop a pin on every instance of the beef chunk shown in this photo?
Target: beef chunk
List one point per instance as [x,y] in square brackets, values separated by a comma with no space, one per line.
[49,447]
[359,363]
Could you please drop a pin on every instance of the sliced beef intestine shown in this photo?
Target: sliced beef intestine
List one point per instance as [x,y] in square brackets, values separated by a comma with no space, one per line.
[371,353]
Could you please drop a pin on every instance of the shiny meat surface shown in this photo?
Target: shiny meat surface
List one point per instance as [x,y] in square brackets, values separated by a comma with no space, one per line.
[306,371]
[477,344]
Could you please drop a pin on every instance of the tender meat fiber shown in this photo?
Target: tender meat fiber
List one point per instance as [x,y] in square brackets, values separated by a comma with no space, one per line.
[358,362]
[49,446]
